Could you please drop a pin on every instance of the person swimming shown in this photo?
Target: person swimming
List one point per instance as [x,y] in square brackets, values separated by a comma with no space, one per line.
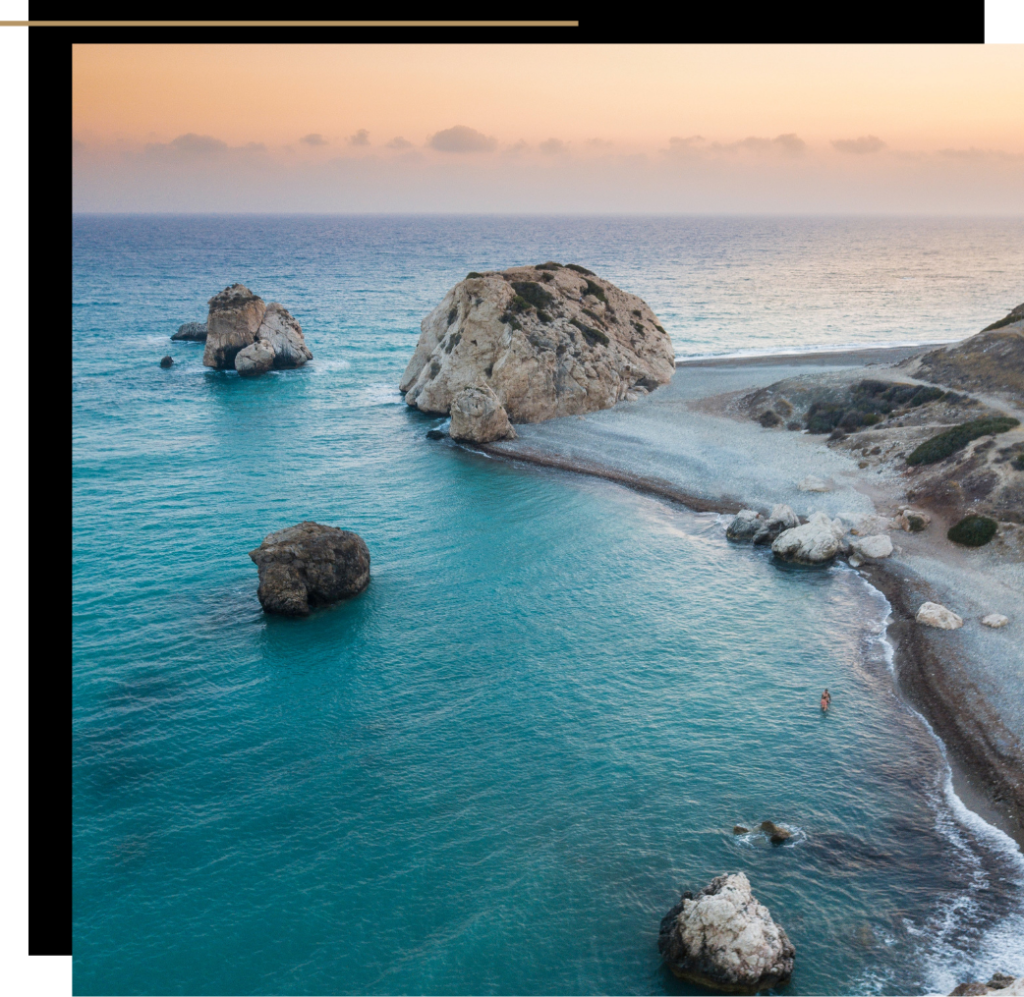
[826,700]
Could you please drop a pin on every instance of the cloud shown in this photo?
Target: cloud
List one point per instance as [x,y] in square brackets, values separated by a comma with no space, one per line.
[190,144]
[789,144]
[599,143]
[979,154]
[462,139]
[313,138]
[858,146]
[552,147]
[361,137]
[399,143]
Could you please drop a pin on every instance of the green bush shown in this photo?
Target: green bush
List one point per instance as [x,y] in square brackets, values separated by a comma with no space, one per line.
[532,292]
[941,446]
[973,531]
[596,290]
[550,265]
[1018,462]
[509,319]
[473,273]
[592,336]
[579,269]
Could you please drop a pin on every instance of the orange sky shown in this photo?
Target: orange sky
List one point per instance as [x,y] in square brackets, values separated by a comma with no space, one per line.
[913,97]
[547,128]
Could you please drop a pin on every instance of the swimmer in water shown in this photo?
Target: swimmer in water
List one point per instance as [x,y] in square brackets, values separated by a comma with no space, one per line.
[826,701]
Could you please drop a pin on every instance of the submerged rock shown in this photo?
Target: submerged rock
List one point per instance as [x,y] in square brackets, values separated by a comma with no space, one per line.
[478,417]
[932,614]
[776,834]
[548,341]
[724,939]
[191,332]
[309,565]
[740,829]
[816,542]
[166,361]
[238,319]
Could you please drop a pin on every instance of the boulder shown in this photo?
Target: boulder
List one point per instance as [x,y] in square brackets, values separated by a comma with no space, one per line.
[284,334]
[238,319]
[813,484]
[191,332]
[932,614]
[868,548]
[549,341]
[776,834]
[740,829]
[167,361]
[995,620]
[256,358]
[234,318]
[913,520]
[816,542]
[745,526]
[309,565]
[750,525]
[478,417]
[723,938]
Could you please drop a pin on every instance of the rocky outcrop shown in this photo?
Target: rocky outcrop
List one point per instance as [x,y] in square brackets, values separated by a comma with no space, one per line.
[256,358]
[752,526]
[478,417]
[932,614]
[309,565]
[723,938]
[1002,984]
[238,319]
[549,341]
[191,332]
[818,541]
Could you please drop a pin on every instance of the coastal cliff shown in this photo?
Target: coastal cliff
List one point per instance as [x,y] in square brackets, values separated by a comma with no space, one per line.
[548,341]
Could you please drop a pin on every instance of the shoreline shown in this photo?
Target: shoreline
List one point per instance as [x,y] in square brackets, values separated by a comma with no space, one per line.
[929,677]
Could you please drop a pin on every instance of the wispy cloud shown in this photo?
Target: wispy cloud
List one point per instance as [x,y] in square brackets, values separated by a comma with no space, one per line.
[399,143]
[462,139]
[361,137]
[790,144]
[313,138]
[859,146]
[552,147]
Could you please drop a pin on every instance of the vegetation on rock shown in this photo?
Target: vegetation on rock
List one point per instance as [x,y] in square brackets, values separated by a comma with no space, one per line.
[939,447]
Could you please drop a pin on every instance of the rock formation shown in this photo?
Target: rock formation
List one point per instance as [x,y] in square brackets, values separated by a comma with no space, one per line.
[478,417]
[309,565]
[256,358]
[872,547]
[193,332]
[549,341]
[724,939]
[167,361]
[238,319]
[752,526]
[776,834]
[932,614]
[816,542]
[1002,984]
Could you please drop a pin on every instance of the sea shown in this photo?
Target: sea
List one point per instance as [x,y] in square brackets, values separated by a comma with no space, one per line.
[495,770]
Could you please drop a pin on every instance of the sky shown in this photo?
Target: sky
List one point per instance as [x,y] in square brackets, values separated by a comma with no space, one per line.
[549,128]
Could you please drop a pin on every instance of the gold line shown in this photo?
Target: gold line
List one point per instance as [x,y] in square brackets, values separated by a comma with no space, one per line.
[289,24]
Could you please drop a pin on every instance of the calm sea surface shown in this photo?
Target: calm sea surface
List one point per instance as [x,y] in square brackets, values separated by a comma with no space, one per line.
[495,770]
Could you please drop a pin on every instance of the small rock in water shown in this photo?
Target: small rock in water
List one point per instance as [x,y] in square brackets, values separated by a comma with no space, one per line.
[969,990]
[932,614]
[166,361]
[1000,981]
[745,525]
[256,358]
[435,434]
[776,834]
[813,484]
[309,565]
[478,417]
[723,938]
[740,829]
[995,620]
[855,562]
[817,541]
[193,332]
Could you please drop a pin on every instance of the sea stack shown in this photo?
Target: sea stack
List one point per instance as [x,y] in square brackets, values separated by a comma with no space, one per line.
[310,565]
[546,340]
[723,938]
[238,320]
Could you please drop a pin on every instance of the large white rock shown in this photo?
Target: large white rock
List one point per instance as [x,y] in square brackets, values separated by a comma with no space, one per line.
[478,417]
[932,614]
[284,334]
[872,547]
[995,620]
[549,341]
[817,541]
[725,939]
[256,358]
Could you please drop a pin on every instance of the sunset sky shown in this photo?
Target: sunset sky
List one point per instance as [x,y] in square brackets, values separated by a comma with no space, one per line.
[547,128]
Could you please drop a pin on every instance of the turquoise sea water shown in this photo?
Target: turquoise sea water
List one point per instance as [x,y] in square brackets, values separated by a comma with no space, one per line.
[494,771]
